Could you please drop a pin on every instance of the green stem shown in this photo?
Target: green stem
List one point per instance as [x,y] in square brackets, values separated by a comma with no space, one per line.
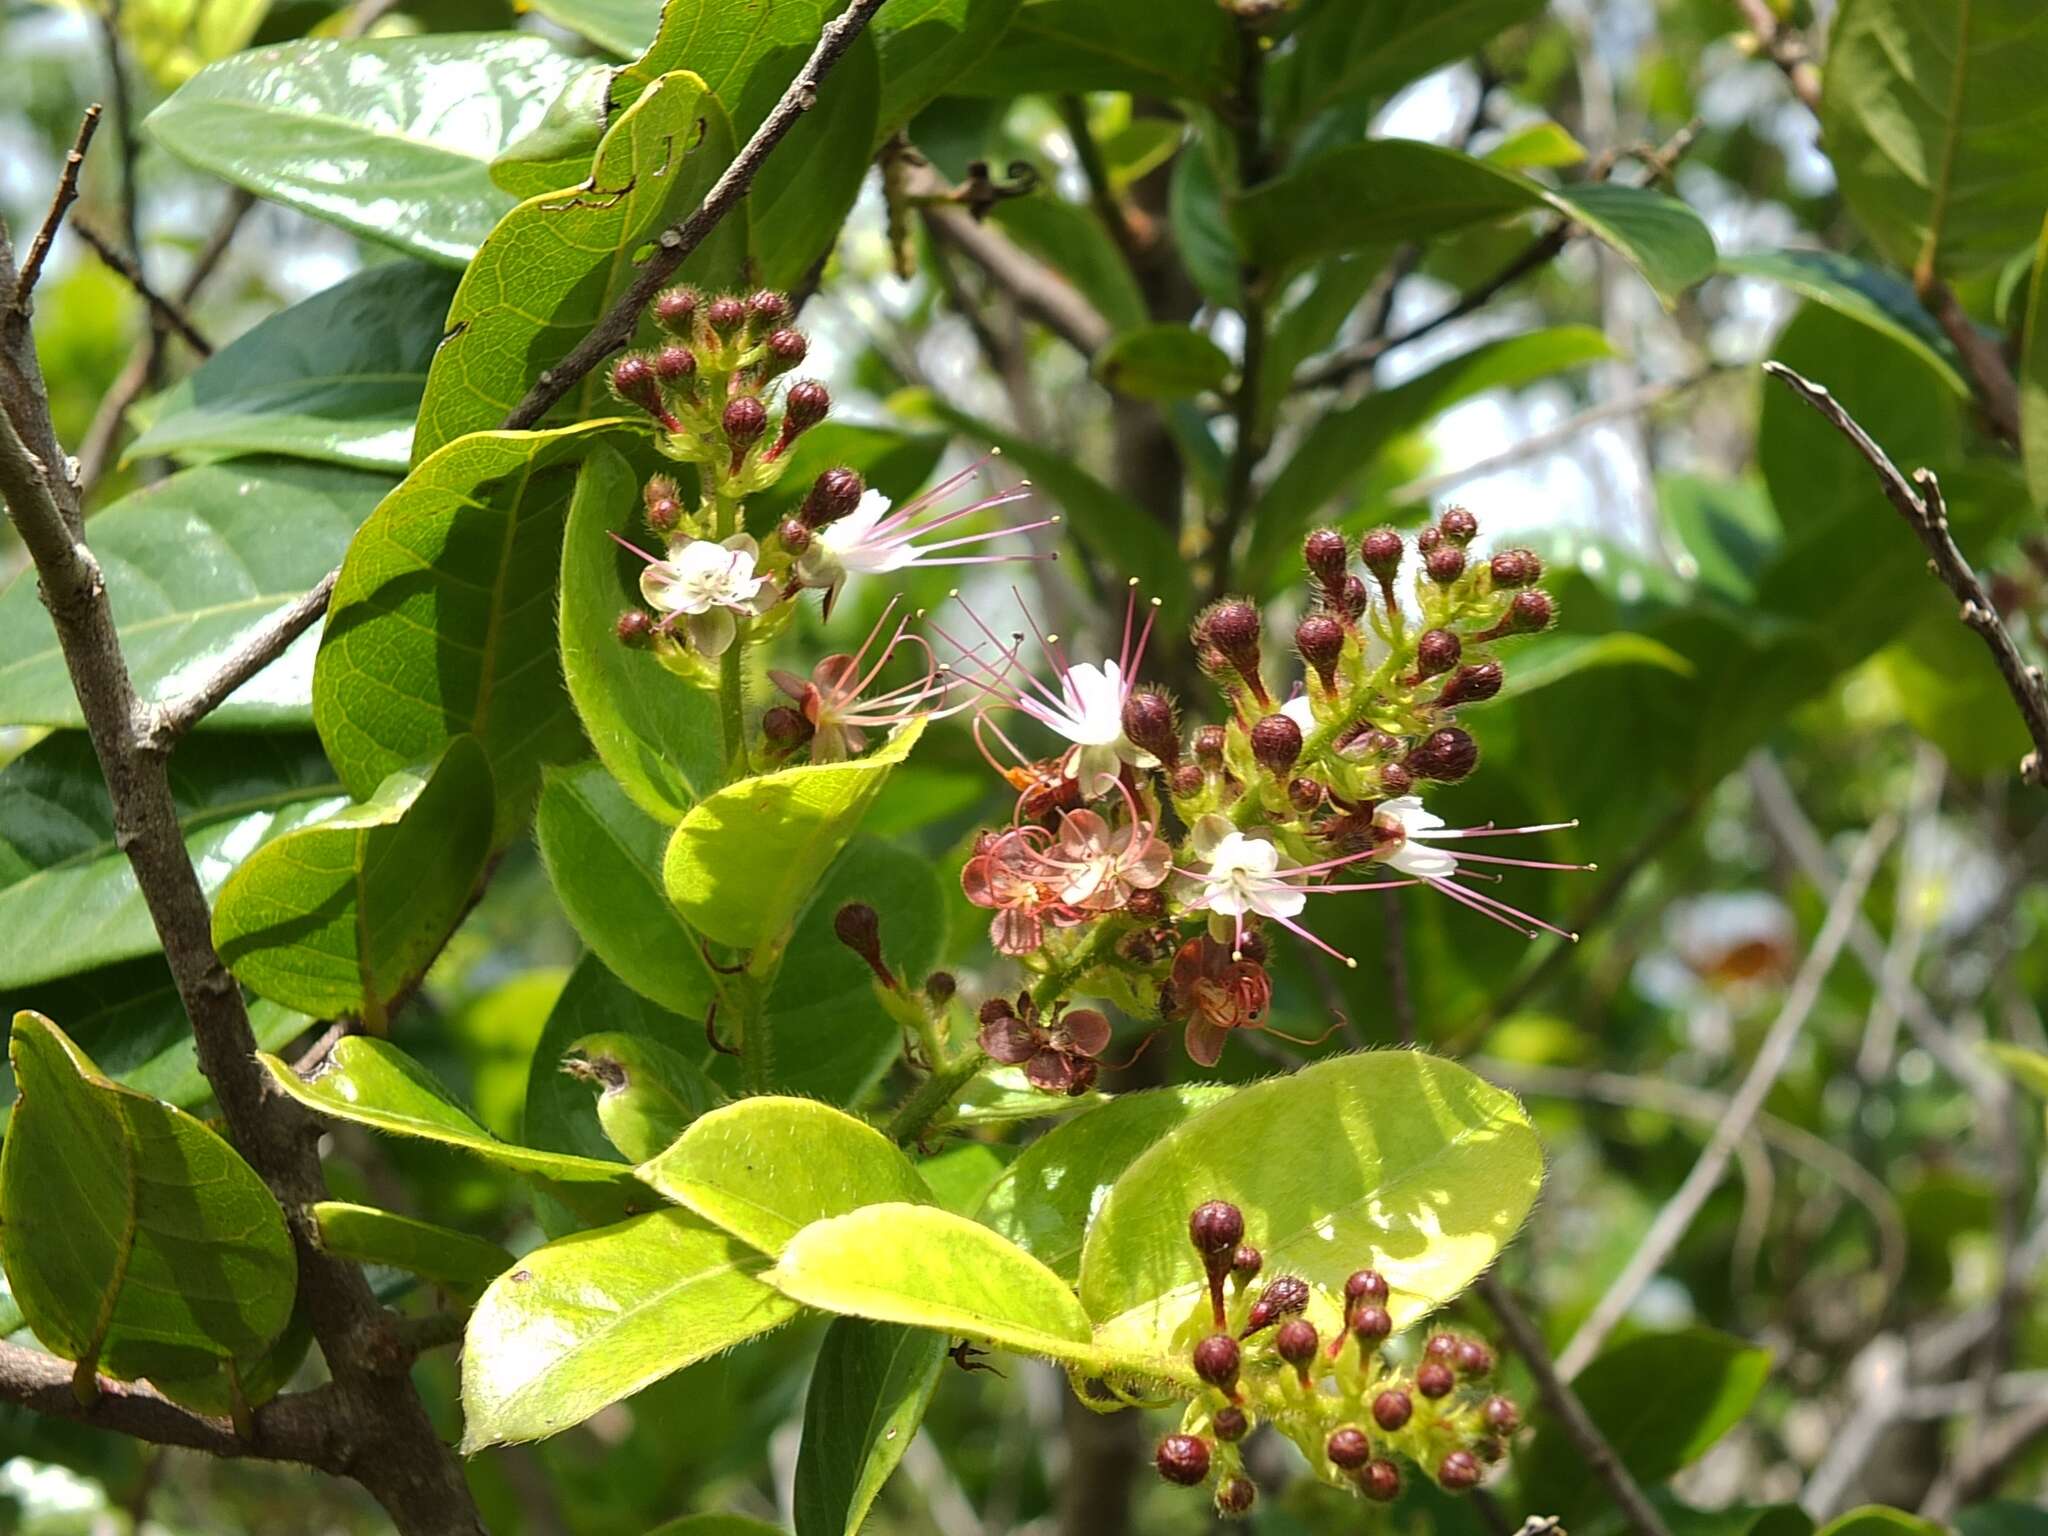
[732,697]
[938,1090]
[757,1035]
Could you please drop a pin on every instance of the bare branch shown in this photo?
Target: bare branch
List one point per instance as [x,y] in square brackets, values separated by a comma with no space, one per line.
[1672,1222]
[167,311]
[65,196]
[1920,503]
[1784,48]
[673,245]
[256,650]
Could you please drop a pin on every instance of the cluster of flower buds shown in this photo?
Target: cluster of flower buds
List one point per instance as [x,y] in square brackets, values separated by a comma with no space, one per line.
[1315,1367]
[1299,792]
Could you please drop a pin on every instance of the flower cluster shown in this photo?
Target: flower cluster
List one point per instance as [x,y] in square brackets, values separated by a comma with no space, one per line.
[1356,1415]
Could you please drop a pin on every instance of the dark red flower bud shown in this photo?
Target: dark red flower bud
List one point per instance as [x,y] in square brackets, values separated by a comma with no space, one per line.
[1230,1425]
[785,350]
[1365,1285]
[1187,780]
[1445,564]
[1473,1358]
[1529,612]
[1381,550]
[1381,1481]
[1283,1296]
[1296,1341]
[1320,639]
[1246,1263]
[794,534]
[1490,1450]
[1231,628]
[1326,554]
[1447,756]
[856,926]
[1458,1471]
[1396,780]
[1501,1414]
[1458,525]
[1183,1459]
[1428,539]
[1472,685]
[1370,1323]
[1216,1227]
[1148,722]
[1441,1346]
[832,495]
[1304,794]
[1276,744]
[1515,568]
[1236,1497]
[1208,746]
[767,307]
[725,315]
[675,363]
[675,308]
[1436,650]
[1348,1448]
[785,728]
[1216,1361]
[633,381]
[1349,604]
[939,988]
[1392,1409]
[1149,905]
[663,515]
[1434,1379]
[635,628]
[803,407]
[745,419]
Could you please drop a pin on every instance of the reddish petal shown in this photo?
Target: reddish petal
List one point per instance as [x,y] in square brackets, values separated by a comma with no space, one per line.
[1087,1030]
[1205,1042]
[1011,1041]
[1050,1071]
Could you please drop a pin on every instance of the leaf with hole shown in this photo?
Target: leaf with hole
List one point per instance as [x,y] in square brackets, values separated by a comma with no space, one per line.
[647,1094]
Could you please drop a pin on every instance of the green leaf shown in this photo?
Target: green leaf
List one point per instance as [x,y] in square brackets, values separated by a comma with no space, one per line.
[68,899]
[336,377]
[559,151]
[1043,1201]
[363,1234]
[622,27]
[766,1167]
[926,45]
[1201,225]
[1932,118]
[1005,1095]
[742,862]
[928,1268]
[371,1082]
[2027,1068]
[1879,1520]
[554,265]
[1393,1160]
[443,619]
[1653,1429]
[391,139]
[1361,51]
[1344,442]
[1139,46]
[136,1241]
[346,914]
[1161,362]
[647,1095]
[1387,190]
[596,1316]
[868,1394]
[1551,658]
[658,735]
[193,564]
[2033,379]
[1870,295]
[1545,145]
[604,857]
[715,1525]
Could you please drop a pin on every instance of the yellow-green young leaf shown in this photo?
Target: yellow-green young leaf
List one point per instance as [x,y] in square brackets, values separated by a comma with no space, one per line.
[1043,1201]
[443,619]
[365,1235]
[647,1094]
[742,862]
[2027,1068]
[596,1316]
[1161,362]
[344,916]
[371,1082]
[766,1167]
[134,1237]
[1881,1520]
[868,1393]
[658,735]
[928,1268]
[2033,379]
[1544,145]
[555,263]
[1391,1159]
[1932,116]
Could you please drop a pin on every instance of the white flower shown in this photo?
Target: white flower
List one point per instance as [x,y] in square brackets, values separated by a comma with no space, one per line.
[1408,830]
[1412,855]
[871,540]
[1301,713]
[704,584]
[1241,874]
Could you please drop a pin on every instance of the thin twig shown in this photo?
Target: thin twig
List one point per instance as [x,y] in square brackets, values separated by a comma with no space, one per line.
[1568,1411]
[1986,1460]
[109,12]
[1920,503]
[1784,48]
[257,649]
[672,247]
[167,310]
[1101,195]
[65,195]
[1676,1217]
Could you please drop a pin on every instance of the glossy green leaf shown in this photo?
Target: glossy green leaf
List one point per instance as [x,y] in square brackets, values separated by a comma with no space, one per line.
[1161,362]
[766,1167]
[391,139]
[1344,442]
[192,565]
[68,899]
[1654,1430]
[336,377]
[647,1093]
[1879,299]
[1044,1200]
[443,619]
[559,151]
[1880,1520]
[623,27]
[926,46]
[1387,190]
[135,1239]
[1201,226]
[363,1234]
[928,1268]
[658,735]
[1932,118]
[555,264]
[1361,51]
[743,862]
[869,1391]
[561,1109]
[603,856]
[371,1082]
[2033,379]
[596,1316]
[1551,658]
[344,916]
[1004,1095]
[961,1176]
[1392,1159]
[1140,46]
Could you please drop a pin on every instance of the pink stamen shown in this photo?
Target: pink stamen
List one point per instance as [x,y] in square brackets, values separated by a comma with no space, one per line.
[1492,903]
[1488,829]
[1488,858]
[635,548]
